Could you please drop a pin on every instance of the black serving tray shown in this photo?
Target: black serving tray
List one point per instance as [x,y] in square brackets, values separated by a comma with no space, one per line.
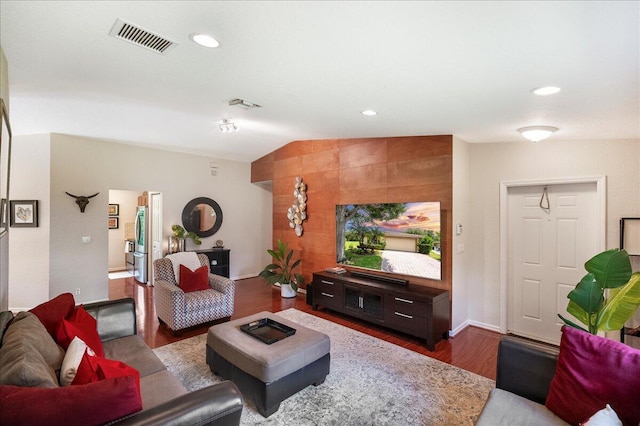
[268,330]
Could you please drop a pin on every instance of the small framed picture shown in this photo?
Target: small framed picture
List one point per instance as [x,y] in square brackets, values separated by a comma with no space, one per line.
[24,213]
[114,223]
[630,235]
[114,209]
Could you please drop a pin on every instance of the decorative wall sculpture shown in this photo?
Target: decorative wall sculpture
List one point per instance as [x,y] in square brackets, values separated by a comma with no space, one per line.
[297,212]
[82,200]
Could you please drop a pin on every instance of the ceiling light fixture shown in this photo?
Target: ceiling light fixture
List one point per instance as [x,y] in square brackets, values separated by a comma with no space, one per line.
[204,40]
[369,112]
[545,91]
[537,133]
[227,126]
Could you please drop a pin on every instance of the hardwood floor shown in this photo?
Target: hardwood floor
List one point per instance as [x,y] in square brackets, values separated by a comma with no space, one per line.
[473,349]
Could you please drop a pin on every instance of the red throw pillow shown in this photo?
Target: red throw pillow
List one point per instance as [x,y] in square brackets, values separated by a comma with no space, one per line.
[594,371]
[91,404]
[52,313]
[94,368]
[82,325]
[194,280]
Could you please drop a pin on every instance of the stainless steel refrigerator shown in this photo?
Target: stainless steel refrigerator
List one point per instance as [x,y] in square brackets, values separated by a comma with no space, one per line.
[141,253]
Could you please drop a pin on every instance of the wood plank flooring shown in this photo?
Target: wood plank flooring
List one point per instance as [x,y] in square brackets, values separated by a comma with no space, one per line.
[473,349]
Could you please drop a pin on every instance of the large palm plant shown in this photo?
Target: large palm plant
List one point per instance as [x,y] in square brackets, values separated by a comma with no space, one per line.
[598,309]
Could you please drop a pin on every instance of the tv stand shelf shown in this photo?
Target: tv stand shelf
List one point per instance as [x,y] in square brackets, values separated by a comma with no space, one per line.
[417,310]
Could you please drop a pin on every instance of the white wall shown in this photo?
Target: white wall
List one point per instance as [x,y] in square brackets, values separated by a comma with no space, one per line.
[461,256]
[4,240]
[492,163]
[85,166]
[29,247]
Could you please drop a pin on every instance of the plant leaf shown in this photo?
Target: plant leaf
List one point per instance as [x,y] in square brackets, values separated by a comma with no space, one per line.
[587,295]
[621,305]
[577,312]
[611,268]
[571,323]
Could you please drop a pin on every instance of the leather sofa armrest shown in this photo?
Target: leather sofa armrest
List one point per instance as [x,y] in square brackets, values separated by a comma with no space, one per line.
[219,405]
[115,318]
[526,368]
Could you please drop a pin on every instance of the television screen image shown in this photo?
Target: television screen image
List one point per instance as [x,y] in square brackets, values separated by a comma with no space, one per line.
[400,238]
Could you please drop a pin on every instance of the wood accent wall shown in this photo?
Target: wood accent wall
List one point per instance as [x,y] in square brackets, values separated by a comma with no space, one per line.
[345,171]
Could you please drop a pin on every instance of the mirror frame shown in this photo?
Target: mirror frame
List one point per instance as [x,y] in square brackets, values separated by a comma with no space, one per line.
[186,215]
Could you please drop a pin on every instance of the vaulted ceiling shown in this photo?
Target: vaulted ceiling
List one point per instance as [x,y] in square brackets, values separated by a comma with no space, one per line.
[427,68]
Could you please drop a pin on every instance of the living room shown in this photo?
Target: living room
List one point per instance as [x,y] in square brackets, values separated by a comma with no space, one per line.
[48,161]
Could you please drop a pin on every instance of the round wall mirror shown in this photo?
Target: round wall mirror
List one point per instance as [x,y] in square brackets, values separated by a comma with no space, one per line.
[203,216]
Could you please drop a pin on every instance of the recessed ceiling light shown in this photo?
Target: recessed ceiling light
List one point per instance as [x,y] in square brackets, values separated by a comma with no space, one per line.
[204,40]
[545,91]
[537,133]
[369,112]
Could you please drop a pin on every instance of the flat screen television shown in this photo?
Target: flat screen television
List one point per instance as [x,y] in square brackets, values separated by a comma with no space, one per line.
[398,238]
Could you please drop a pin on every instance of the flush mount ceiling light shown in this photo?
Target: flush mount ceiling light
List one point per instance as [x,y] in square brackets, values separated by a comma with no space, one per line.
[545,91]
[537,133]
[369,112]
[227,126]
[205,40]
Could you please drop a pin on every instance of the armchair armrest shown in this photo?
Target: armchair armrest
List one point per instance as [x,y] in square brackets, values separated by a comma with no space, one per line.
[219,405]
[526,368]
[222,284]
[115,318]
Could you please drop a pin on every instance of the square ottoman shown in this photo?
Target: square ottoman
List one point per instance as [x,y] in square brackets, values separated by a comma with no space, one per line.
[268,374]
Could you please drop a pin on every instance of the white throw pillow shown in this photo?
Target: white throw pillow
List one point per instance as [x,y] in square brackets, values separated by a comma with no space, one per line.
[604,417]
[72,359]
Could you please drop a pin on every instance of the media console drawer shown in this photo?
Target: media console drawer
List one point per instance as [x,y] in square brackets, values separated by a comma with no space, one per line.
[417,310]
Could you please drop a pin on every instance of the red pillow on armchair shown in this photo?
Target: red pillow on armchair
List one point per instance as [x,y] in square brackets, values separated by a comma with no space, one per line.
[194,280]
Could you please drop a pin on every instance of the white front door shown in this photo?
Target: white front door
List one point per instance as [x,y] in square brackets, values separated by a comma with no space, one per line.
[552,232]
[155,203]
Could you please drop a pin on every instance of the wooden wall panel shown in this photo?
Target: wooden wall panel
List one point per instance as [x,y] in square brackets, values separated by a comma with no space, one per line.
[366,170]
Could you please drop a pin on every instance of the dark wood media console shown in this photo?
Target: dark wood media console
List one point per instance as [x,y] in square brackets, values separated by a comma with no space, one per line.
[417,310]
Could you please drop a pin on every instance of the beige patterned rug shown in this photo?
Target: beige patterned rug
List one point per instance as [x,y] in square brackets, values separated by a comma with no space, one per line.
[372,382]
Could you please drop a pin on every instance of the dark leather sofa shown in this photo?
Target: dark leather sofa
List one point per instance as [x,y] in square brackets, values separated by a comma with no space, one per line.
[523,377]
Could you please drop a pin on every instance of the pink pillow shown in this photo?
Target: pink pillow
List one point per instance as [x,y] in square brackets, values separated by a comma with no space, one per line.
[194,280]
[81,324]
[91,404]
[594,371]
[52,313]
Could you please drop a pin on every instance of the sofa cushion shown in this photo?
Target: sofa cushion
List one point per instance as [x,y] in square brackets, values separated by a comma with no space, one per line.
[134,352]
[604,417]
[72,358]
[29,356]
[194,280]
[91,404]
[5,319]
[594,371]
[52,312]
[80,324]
[506,408]
[94,368]
[160,387]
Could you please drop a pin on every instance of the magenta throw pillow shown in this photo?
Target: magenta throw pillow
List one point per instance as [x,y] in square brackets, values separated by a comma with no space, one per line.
[592,372]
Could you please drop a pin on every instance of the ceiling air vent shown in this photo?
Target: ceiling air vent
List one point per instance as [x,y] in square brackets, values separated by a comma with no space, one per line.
[144,38]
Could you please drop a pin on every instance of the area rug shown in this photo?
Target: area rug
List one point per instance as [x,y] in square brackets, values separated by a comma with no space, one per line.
[372,382]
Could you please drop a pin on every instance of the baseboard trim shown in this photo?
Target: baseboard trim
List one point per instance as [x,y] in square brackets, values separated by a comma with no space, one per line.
[478,324]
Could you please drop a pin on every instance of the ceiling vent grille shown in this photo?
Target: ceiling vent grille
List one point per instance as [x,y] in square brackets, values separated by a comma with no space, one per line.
[141,37]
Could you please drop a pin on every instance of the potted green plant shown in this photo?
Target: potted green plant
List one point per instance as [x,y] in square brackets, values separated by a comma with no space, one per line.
[281,270]
[593,305]
[177,240]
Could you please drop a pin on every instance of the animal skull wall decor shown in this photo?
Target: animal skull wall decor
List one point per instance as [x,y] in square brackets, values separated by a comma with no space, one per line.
[82,200]
[297,212]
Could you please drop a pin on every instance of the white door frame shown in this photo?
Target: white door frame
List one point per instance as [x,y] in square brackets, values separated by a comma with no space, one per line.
[601,232]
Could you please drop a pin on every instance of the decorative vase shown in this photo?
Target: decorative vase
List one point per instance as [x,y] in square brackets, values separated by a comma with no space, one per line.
[176,244]
[286,291]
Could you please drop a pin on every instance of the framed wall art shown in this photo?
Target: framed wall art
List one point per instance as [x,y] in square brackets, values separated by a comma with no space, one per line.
[24,213]
[114,209]
[630,235]
[114,223]
[5,157]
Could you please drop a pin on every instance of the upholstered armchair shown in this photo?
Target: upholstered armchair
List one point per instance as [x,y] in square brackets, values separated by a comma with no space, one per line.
[179,310]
